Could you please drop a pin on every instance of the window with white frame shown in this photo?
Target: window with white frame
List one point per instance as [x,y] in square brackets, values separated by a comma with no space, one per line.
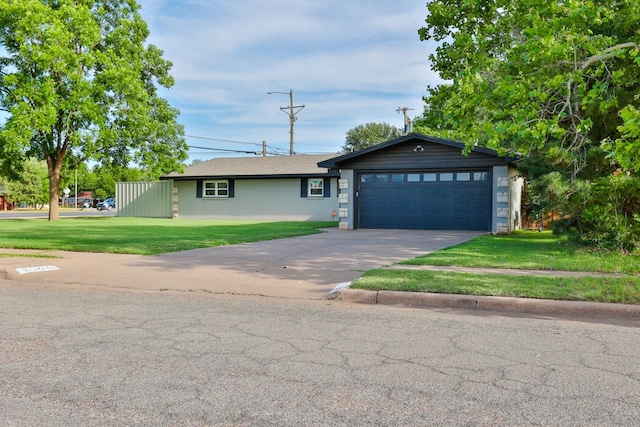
[215,188]
[316,187]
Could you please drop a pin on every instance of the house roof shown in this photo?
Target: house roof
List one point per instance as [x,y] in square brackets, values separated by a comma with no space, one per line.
[256,167]
[336,161]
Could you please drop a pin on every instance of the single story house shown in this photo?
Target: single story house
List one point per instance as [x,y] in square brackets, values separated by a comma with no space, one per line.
[262,188]
[412,182]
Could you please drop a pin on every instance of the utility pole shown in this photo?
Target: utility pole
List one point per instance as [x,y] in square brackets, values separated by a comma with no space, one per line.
[293,110]
[407,122]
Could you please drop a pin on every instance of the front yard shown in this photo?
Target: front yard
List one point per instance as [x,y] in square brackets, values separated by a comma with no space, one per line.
[144,236]
[525,250]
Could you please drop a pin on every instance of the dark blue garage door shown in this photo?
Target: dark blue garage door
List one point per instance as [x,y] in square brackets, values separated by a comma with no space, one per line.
[448,200]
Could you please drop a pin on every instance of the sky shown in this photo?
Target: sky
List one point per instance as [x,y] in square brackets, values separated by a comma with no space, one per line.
[348,62]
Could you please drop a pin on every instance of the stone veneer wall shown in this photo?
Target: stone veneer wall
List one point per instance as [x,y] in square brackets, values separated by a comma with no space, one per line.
[346,199]
[500,215]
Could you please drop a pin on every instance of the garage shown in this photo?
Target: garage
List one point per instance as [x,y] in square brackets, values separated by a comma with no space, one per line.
[418,182]
[425,200]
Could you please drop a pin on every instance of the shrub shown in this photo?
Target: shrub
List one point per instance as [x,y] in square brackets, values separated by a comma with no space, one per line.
[601,213]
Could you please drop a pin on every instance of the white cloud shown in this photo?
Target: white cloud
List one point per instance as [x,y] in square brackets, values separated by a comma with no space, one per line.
[348,62]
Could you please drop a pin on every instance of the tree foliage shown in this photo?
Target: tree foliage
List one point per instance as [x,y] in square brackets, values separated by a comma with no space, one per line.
[556,83]
[366,135]
[559,76]
[29,185]
[79,83]
[603,213]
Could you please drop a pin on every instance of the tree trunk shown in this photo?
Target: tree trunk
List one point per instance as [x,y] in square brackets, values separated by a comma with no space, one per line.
[54,165]
[54,209]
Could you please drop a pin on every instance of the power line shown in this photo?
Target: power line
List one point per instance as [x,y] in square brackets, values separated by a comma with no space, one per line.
[222,140]
[224,150]
[269,149]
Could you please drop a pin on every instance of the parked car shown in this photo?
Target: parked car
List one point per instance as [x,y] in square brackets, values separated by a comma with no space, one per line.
[107,204]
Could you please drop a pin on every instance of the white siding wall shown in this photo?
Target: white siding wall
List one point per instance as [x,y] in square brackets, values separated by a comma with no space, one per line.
[258,199]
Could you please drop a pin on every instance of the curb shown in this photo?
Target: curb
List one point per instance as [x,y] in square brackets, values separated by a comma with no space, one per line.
[488,303]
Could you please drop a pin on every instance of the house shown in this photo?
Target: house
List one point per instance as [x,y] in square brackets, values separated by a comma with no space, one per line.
[4,204]
[412,182]
[261,188]
[422,182]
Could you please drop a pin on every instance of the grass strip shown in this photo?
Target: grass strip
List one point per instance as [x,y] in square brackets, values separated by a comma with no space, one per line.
[625,290]
[529,250]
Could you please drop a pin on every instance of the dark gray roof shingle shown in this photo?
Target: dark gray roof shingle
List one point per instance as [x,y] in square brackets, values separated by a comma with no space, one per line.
[257,166]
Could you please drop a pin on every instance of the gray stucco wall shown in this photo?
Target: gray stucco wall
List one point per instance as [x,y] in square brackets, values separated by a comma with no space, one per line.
[258,199]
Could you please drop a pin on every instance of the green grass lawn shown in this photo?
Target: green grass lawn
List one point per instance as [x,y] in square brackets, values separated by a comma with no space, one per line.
[524,250]
[529,250]
[144,236]
[596,289]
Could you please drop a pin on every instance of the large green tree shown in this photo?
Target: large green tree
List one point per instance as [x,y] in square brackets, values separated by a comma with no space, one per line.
[108,175]
[29,186]
[559,76]
[78,81]
[557,83]
[366,135]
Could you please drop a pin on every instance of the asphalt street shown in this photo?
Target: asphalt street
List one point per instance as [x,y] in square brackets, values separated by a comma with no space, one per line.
[77,356]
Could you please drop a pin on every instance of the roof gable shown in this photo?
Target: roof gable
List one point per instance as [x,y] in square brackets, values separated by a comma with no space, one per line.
[421,142]
[255,167]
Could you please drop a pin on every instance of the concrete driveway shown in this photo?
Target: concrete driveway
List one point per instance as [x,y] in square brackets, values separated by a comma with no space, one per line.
[303,267]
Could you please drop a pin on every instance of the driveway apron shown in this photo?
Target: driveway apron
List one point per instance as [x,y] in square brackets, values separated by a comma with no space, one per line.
[301,267]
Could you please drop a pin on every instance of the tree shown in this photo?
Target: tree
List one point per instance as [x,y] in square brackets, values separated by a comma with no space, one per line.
[78,83]
[108,175]
[29,186]
[554,82]
[363,136]
[558,76]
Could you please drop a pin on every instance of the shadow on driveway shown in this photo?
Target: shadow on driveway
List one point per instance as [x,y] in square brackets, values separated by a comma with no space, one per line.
[301,267]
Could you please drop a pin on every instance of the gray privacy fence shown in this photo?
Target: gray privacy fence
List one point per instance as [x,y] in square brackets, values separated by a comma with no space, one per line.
[145,199]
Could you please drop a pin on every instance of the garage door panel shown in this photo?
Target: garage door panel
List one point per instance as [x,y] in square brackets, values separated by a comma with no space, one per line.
[437,205]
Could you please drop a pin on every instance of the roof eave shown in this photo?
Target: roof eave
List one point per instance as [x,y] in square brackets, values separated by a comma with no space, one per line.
[262,176]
